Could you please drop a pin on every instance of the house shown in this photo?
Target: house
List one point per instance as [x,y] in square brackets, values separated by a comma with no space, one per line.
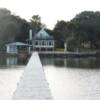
[16,47]
[42,41]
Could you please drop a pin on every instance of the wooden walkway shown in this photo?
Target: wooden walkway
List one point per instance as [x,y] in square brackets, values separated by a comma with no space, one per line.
[33,84]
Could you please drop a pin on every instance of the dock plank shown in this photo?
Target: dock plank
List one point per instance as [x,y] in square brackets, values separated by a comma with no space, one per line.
[33,84]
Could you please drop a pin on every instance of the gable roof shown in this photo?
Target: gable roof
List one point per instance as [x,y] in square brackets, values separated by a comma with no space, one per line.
[42,34]
[18,44]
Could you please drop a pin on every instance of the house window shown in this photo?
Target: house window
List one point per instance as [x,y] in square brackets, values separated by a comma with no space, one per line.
[43,43]
[50,43]
[36,42]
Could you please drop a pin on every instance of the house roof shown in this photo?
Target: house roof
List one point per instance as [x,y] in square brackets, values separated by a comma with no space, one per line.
[42,34]
[18,44]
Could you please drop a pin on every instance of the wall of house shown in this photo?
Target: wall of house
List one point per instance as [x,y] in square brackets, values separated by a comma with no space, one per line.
[11,49]
[43,44]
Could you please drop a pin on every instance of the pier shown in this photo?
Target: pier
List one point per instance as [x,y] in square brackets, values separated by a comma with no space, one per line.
[33,84]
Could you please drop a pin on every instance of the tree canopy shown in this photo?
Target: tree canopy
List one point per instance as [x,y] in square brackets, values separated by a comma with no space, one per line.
[88,23]
[12,28]
[35,23]
[83,29]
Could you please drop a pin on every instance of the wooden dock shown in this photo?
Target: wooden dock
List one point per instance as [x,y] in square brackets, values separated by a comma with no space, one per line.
[33,84]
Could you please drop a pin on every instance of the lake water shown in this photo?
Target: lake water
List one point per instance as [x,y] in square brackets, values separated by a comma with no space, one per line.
[67,81]
[8,82]
[11,69]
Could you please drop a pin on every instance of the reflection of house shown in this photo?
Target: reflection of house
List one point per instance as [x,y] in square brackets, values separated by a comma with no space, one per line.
[11,60]
[86,45]
[16,47]
[43,41]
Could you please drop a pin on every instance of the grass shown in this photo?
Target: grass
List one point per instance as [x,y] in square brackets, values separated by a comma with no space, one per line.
[80,50]
[59,49]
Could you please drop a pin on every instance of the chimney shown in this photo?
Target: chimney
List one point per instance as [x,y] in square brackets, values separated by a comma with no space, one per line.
[30,34]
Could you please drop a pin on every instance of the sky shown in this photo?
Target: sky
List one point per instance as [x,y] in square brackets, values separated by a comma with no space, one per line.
[50,11]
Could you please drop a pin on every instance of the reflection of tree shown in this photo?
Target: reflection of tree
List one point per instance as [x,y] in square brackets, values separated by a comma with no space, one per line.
[23,60]
[47,61]
[94,63]
[83,63]
[59,62]
[72,62]
[2,60]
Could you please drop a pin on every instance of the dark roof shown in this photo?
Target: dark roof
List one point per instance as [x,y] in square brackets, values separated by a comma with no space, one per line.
[42,34]
[18,44]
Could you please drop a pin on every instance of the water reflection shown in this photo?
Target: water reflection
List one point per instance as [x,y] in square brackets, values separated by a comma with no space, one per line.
[69,81]
[72,62]
[13,60]
[9,77]
[11,69]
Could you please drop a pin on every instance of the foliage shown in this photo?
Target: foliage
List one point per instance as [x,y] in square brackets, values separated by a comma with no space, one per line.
[83,29]
[88,30]
[35,23]
[11,28]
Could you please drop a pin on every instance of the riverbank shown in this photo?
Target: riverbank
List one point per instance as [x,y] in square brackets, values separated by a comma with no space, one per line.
[68,54]
[22,54]
[57,54]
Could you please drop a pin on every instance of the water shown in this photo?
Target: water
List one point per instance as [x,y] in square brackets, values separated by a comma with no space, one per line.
[13,60]
[68,81]
[11,69]
[8,82]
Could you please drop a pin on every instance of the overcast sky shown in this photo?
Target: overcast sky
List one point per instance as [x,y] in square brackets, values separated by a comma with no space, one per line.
[50,10]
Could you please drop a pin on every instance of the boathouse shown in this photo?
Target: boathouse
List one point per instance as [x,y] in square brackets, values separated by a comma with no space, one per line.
[43,41]
[16,47]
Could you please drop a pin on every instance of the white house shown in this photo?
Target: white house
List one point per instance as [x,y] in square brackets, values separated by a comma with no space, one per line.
[13,48]
[40,41]
[43,41]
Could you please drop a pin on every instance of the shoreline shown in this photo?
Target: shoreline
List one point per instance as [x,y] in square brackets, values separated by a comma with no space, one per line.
[69,54]
[56,54]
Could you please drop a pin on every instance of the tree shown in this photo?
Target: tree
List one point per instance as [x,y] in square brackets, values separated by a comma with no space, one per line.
[83,28]
[88,30]
[35,23]
[36,19]
[4,12]
[63,31]
[12,28]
